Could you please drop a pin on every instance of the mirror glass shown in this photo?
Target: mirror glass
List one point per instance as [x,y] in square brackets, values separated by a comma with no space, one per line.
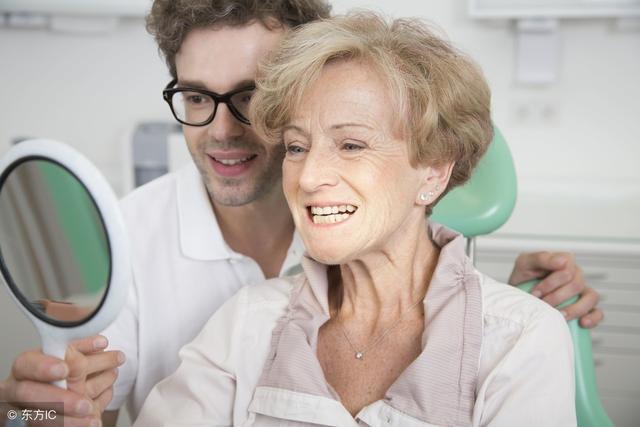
[54,250]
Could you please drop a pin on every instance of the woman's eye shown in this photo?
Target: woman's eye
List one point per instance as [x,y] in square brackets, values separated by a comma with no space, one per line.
[294,149]
[350,146]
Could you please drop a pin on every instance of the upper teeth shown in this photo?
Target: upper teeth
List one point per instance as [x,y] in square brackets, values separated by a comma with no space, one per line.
[231,162]
[328,210]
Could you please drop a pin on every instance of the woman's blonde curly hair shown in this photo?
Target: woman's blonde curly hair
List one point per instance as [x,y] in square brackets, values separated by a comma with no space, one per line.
[442,99]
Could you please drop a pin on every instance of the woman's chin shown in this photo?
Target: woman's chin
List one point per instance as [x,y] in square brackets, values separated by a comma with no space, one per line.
[328,255]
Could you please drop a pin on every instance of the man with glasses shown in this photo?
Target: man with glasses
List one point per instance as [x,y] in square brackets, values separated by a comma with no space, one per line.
[202,233]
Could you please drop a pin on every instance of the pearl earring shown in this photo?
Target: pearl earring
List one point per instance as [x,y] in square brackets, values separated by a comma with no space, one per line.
[425,197]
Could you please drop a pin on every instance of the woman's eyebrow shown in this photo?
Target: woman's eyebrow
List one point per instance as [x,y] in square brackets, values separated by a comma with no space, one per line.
[351,124]
[294,128]
[339,126]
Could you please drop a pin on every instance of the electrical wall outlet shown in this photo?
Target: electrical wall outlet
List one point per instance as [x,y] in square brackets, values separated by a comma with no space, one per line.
[534,110]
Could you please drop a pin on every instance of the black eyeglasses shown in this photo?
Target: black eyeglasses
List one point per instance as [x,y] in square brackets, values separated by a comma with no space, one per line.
[197,107]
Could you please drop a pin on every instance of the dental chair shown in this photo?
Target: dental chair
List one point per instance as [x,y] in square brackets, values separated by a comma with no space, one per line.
[483,205]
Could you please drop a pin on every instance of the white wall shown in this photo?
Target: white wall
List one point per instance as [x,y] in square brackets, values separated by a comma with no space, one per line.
[86,90]
[89,90]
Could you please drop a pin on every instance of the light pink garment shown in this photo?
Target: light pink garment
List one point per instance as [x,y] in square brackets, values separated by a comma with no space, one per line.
[493,356]
[438,387]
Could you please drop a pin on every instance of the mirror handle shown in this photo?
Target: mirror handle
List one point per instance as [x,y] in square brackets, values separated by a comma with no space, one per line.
[55,347]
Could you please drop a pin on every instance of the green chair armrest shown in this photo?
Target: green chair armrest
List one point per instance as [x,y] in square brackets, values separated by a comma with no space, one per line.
[589,409]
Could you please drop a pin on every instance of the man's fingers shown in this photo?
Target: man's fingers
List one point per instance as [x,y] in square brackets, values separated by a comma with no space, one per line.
[592,319]
[570,278]
[584,305]
[536,265]
[536,260]
[101,382]
[35,366]
[552,282]
[35,395]
[550,261]
[90,344]
[563,293]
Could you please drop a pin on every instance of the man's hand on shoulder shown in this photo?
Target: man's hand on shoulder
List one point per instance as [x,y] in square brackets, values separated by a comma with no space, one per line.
[90,373]
[562,279]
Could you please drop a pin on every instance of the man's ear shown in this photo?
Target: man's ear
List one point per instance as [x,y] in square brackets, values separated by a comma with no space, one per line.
[435,181]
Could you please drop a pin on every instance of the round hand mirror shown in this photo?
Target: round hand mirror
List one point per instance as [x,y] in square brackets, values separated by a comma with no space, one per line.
[63,248]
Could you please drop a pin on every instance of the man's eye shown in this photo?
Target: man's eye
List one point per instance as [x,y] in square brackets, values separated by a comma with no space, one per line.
[195,99]
[242,99]
[246,97]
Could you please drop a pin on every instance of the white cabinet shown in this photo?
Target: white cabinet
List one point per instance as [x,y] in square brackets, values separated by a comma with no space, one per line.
[555,8]
[136,8]
[612,267]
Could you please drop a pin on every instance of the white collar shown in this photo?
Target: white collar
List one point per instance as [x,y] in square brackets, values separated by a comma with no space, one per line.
[200,235]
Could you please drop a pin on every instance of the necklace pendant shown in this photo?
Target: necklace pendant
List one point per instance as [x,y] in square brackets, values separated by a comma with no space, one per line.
[359,355]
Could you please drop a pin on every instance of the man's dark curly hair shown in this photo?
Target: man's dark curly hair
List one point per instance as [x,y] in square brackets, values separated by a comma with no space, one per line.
[169,21]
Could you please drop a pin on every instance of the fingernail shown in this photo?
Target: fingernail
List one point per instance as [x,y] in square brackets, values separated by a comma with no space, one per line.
[84,407]
[96,423]
[59,370]
[586,323]
[564,314]
[100,343]
[536,293]
[121,358]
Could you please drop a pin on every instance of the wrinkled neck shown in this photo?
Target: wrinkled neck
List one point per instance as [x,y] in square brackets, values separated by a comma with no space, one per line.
[384,284]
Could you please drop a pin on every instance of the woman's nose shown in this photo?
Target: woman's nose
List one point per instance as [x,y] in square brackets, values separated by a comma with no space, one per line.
[318,170]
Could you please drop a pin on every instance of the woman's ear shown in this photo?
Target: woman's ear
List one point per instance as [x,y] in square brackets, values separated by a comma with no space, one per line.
[436,179]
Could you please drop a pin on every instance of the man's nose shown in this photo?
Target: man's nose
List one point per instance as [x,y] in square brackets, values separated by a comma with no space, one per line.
[224,125]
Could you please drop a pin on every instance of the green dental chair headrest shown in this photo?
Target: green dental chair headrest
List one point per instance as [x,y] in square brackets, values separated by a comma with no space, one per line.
[486,201]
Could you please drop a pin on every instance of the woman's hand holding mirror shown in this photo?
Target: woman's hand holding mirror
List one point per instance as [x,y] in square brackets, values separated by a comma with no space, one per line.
[65,260]
[88,369]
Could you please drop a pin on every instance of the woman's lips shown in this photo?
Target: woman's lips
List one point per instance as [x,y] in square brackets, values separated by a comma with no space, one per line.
[330,215]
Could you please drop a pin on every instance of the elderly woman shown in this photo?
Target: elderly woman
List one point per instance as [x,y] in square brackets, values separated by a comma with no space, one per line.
[389,324]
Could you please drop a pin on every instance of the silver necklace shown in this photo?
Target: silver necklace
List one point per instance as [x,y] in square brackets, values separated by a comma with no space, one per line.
[359,354]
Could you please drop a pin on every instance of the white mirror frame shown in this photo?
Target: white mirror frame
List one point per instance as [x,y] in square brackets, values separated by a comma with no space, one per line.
[56,338]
